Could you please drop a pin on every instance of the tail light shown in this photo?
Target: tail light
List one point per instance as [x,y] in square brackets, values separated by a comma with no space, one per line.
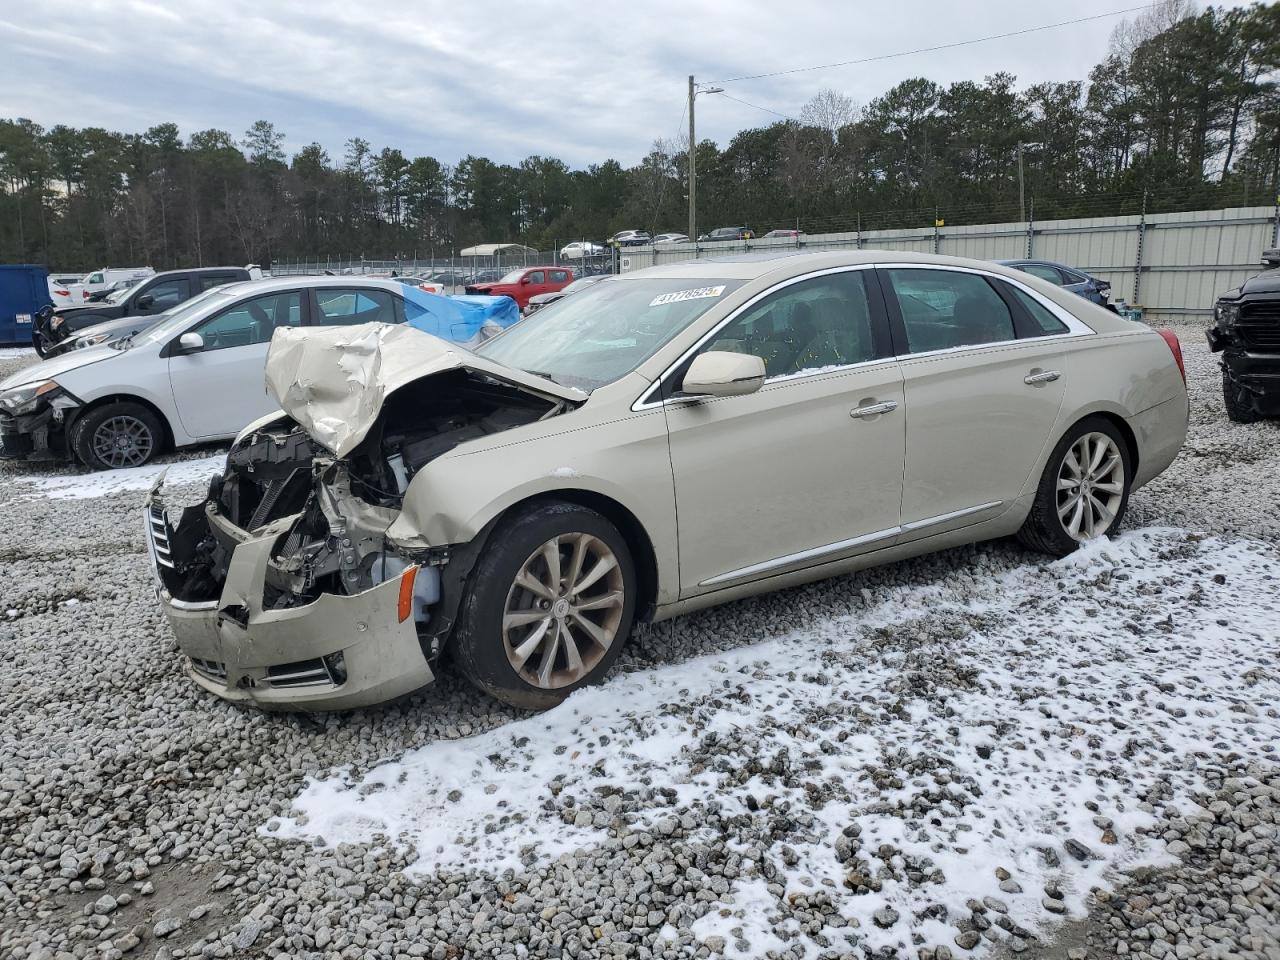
[1175,347]
[63,293]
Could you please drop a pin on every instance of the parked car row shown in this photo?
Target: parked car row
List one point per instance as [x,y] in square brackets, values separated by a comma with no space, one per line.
[192,373]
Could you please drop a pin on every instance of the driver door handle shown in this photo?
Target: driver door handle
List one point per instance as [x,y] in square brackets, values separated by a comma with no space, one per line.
[1044,376]
[874,409]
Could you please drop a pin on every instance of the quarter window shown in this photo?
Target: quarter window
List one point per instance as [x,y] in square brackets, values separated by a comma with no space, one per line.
[344,307]
[1043,321]
[805,327]
[253,321]
[942,309]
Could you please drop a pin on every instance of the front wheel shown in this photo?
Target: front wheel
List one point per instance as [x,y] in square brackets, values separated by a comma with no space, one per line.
[1084,490]
[116,436]
[548,606]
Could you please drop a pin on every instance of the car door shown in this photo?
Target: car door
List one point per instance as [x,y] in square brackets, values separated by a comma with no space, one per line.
[557,280]
[807,469]
[983,389]
[221,387]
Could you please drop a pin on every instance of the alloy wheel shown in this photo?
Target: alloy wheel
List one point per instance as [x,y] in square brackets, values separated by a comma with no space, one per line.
[563,610]
[1090,486]
[123,441]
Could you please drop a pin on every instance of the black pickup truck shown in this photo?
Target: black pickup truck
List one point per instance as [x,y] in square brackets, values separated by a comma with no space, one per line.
[152,296]
[1246,331]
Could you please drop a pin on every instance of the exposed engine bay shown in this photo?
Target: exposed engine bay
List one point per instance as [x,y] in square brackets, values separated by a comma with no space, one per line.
[333,512]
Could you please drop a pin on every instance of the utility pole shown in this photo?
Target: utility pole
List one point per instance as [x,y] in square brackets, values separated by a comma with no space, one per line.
[1022,190]
[693,168]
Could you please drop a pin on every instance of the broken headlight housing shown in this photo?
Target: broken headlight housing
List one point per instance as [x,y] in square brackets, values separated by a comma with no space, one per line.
[26,398]
[1226,313]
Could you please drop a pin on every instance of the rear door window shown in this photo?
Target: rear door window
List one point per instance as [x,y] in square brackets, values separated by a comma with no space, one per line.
[342,306]
[944,309]
[559,276]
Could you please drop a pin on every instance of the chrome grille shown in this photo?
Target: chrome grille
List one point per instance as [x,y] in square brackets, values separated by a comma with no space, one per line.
[210,669]
[304,673]
[158,534]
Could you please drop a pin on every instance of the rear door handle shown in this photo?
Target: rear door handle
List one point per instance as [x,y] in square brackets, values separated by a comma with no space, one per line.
[874,409]
[1044,376]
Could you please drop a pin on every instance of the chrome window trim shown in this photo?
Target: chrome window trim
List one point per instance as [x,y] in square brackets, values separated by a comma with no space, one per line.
[1075,328]
[644,401]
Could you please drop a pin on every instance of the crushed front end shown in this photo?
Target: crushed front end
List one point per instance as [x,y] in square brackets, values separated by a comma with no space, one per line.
[284,588]
[1246,331]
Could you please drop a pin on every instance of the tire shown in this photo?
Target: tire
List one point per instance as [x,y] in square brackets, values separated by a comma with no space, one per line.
[1239,409]
[117,436]
[1048,529]
[528,664]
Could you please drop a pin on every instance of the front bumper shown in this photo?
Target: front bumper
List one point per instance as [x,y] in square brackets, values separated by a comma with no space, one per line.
[338,652]
[35,436]
[1257,377]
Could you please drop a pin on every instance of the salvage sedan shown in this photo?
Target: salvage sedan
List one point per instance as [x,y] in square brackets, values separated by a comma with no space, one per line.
[675,438]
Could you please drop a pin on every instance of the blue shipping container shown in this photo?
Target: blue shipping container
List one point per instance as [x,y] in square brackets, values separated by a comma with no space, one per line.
[24,289]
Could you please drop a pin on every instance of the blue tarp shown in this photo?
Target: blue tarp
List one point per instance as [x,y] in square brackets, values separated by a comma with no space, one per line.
[468,320]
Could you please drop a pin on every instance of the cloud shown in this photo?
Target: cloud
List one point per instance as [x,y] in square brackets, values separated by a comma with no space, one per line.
[487,78]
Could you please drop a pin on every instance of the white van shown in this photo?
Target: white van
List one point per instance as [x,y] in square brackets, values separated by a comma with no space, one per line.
[102,279]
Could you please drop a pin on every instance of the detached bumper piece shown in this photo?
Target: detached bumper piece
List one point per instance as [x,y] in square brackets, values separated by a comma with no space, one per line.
[336,652]
[36,436]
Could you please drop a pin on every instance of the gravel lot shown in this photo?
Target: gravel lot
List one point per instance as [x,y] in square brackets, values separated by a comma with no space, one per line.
[979,751]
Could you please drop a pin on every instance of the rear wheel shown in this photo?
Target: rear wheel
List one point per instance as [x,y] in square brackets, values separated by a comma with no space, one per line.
[548,608]
[116,436]
[1236,400]
[1084,490]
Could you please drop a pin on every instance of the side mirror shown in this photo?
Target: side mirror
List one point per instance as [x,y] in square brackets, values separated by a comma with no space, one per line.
[525,280]
[146,302]
[191,343]
[719,373]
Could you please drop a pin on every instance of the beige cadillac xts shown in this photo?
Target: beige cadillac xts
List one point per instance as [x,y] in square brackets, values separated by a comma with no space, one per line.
[668,439]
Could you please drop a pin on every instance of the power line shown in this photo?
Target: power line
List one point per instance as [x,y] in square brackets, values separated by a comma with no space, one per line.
[756,106]
[941,46]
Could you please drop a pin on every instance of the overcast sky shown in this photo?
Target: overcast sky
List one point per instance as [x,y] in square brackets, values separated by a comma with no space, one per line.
[581,81]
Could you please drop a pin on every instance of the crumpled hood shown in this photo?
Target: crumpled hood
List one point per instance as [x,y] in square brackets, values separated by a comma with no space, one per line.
[54,367]
[333,380]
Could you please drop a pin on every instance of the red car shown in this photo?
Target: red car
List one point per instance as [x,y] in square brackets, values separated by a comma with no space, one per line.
[526,282]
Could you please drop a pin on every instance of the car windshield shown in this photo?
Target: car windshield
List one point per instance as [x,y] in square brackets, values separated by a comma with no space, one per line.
[513,277]
[607,330]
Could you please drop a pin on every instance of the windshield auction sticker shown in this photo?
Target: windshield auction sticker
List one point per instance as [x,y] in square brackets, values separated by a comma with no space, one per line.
[698,293]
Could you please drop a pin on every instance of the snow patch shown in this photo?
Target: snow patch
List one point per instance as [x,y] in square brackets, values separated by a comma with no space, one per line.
[910,751]
[82,486]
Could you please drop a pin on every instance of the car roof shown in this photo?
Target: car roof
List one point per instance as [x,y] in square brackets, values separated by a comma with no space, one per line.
[307,280]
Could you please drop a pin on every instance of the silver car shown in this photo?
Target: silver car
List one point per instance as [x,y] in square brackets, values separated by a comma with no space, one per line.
[675,438]
[194,376]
